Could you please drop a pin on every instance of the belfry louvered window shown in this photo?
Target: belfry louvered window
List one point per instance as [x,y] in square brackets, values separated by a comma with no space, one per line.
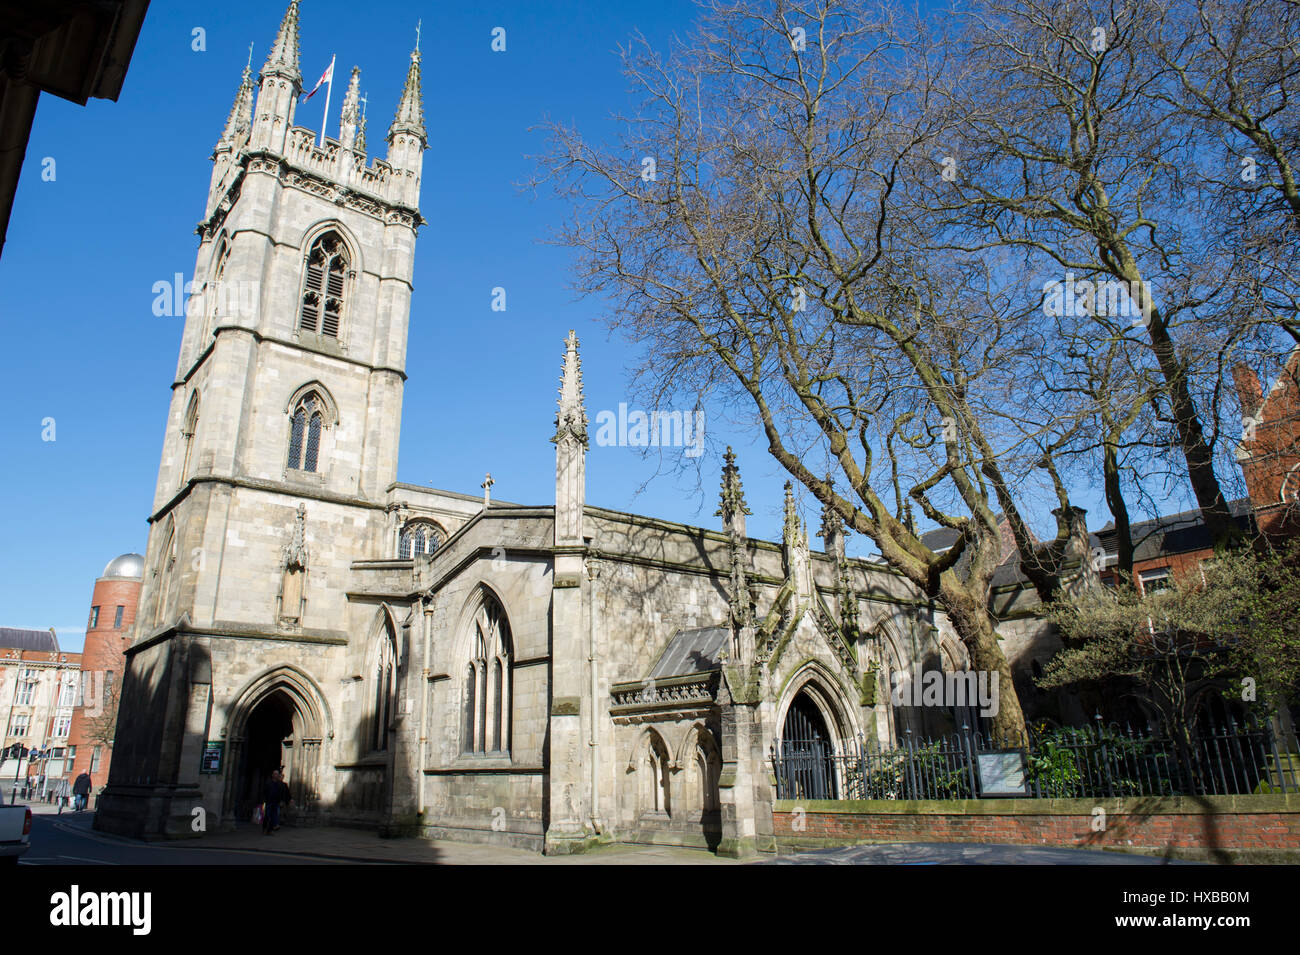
[304,434]
[322,294]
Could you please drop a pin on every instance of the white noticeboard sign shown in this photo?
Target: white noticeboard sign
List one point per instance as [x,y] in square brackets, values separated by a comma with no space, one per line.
[1002,773]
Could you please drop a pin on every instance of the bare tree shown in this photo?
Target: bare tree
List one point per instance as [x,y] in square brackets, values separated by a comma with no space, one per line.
[764,230]
[1069,156]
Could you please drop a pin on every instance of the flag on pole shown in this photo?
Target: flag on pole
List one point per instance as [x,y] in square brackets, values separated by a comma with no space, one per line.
[326,77]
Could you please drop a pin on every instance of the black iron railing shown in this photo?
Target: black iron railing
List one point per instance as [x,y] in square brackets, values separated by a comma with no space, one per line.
[1091,761]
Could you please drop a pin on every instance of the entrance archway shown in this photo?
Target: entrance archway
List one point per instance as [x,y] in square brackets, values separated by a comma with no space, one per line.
[268,746]
[277,722]
[807,751]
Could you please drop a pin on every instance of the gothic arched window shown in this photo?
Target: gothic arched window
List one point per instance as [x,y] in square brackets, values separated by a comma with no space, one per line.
[163,572]
[304,433]
[487,682]
[322,294]
[418,538]
[187,434]
[216,294]
[384,684]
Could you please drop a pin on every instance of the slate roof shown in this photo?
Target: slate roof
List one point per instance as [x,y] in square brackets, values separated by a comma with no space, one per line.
[43,640]
[697,650]
[1173,533]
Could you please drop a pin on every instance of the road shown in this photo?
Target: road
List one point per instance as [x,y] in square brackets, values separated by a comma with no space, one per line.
[59,841]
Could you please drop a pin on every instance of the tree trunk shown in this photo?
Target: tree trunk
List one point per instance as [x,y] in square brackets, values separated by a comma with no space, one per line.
[971,619]
[1118,509]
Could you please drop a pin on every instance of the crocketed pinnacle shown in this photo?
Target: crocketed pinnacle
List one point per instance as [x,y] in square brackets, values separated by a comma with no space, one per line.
[241,113]
[571,417]
[733,495]
[283,58]
[410,108]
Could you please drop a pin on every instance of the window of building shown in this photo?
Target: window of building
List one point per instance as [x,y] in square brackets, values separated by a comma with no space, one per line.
[188,430]
[117,617]
[94,758]
[62,726]
[68,691]
[163,574]
[18,725]
[323,286]
[1154,581]
[488,682]
[384,685]
[27,687]
[304,433]
[94,617]
[417,538]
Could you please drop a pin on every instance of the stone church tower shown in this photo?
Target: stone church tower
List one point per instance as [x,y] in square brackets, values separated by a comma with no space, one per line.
[281,442]
[429,662]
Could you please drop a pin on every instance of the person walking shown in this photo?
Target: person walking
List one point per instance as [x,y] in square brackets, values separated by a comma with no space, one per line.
[81,791]
[276,793]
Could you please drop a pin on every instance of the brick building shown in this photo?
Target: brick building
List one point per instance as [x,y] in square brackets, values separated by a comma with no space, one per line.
[1270,448]
[38,686]
[108,633]
[1269,456]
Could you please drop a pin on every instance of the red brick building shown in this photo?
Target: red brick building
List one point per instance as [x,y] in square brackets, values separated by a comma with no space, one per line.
[1270,448]
[1269,456]
[112,612]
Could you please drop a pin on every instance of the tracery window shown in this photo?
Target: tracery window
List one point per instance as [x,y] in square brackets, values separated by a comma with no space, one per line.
[384,686]
[486,726]
[305,433]
[418,538]
[323,288]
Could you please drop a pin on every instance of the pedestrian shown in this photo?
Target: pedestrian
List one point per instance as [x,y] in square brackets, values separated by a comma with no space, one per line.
[81,791]
[276,793]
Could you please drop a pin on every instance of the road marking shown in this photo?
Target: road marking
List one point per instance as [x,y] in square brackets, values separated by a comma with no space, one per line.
[83,859]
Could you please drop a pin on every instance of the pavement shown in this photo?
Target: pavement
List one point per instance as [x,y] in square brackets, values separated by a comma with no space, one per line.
[332,844]
[69,838]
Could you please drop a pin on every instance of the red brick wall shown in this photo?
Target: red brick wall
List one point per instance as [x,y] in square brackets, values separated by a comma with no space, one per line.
[1274,449]
[1231,822]
[104,652]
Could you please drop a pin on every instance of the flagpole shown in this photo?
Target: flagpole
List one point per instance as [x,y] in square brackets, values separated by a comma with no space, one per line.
[329,88]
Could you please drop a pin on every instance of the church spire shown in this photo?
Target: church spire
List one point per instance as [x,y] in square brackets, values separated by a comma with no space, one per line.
[407,140]
[283,58]
[571,418]
[410,109]
[350,118]
[732,508]
[277,93]
[241,113]
[798,562]
[570,450]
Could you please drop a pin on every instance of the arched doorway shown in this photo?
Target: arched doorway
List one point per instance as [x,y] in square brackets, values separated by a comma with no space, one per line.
[268,746]
[807,751]
[278,721]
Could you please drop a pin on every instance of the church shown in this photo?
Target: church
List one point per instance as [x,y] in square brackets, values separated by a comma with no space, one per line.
[435,663]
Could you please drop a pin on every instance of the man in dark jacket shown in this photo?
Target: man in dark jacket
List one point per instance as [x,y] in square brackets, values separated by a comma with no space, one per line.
[81,791]
[276,792]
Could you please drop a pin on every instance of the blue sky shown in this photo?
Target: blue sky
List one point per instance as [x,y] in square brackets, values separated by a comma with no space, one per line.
[84,250]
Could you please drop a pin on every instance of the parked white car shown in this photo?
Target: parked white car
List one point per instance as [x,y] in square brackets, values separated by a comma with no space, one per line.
[15,832]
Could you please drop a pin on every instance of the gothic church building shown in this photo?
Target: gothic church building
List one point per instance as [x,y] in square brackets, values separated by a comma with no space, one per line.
[429,662]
